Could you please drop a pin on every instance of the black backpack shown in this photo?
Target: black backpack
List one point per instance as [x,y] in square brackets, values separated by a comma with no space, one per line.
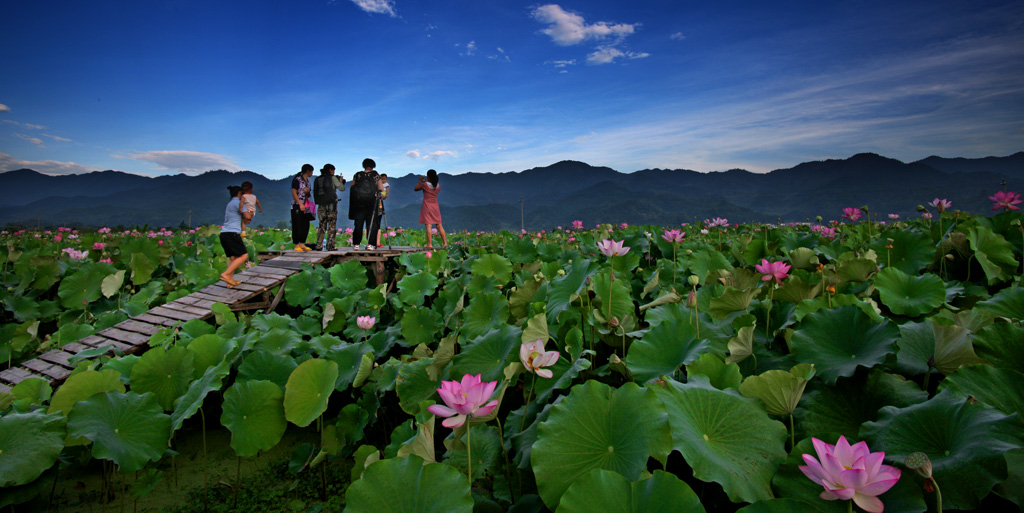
[364,188]
[324,191]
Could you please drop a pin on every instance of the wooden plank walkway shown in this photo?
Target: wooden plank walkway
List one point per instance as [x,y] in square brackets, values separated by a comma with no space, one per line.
[132,336]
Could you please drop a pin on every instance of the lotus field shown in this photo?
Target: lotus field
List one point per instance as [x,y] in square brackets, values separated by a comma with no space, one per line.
[852,365]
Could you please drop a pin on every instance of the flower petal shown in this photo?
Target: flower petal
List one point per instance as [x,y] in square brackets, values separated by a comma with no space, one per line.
[868,503]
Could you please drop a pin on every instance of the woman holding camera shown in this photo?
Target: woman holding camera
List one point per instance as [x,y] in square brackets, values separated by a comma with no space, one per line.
[430,211]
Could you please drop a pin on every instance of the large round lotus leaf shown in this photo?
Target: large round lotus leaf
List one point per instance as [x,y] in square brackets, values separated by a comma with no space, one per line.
[413,288]
[841,409]
[964,440]
[29,444]
[730,301]
[208,351]
[598,427]
[664,349]
[489,354]
[1008,304]
[1000,388]
[856,269]
[268,366]
[791,483]
[128,429]
[349,358]
[606,491]
[406,485]
[999,344]
[164,373]
[911,250]
[484,311]
[495,265]
[279,341]
[265,322]
[838,341]
[308,390]
[142,268]
[305,288]
[254,413]
[909,295]
[414,385]
[926,345]
[720,374]
[349,277]
[616,293]
[779,390]
[994,253]
[563,291]
[726,438]
[187,405]
[82,386]
[419,325]
[80,288]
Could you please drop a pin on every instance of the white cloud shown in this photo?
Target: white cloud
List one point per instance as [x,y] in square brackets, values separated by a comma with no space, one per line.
[34,140]
[4,108]
[25,125]
[470,48]
[187,161]
[434,155]
[377,6]
[413,154]
[501,56]
[57,138]
[569,28]
[678,36]
[608,54]
[47,167]
[563,63]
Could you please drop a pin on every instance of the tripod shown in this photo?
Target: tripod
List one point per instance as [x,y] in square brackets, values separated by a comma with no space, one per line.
[378,208]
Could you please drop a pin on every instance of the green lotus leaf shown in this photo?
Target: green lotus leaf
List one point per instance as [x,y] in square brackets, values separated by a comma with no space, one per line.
[128,429]
[495,265]
[1002,389]
[413,288]
[742,345]
[419,326]
[911,250]
[308,390]
[536,329]
[838,341]
[82,386]
[267,366]
[929,345]
[725,438]
[803,258]
[720,374]
[966,442]
[72,332]
[841,409]
[1008,304]
[112,283]
[616,293]
[519,302]
[520,251]
[488,354]
[265,322]
[665,348]
[208,351]
[188,404]
[484,311]
[598,427]
[23,308]
[348,357]
[415,385]
[406,485]
[47,272]
[349,277]
[29,444]
[602,491]
[1000,345]
[779,390]
[486,453]
[856,269]
[165,373]
[795,290]
[909,295]
[305,288]
[279,341]
[80,288]
[142,269]
[563,291]
[822,303]
[703,261]
[254,413]
[730,301]
[32,391]
[993,252]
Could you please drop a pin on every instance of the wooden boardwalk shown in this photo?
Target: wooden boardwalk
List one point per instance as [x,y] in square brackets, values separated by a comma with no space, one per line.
[253,293]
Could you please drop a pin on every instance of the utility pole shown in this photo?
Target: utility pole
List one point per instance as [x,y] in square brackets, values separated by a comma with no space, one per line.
[190,219]
[522,216]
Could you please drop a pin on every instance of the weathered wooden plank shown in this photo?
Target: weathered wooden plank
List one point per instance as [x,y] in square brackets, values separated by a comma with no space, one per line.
[47,370]
[266,270]
[172,314]
[156,319]
[74,347]
[183,307]
[224,295]
[134,339]
[58,357]
[16,375]
[256,279]
[250,287]
[4,389]
[111,344]
[144,328]
[277,263]
[198,302]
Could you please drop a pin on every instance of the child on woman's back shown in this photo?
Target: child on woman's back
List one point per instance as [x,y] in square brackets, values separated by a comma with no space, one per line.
[249,203]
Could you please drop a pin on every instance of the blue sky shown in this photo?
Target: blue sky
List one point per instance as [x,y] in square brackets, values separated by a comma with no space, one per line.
[171,86]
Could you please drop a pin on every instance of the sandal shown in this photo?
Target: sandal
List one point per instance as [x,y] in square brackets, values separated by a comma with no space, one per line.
[229,283]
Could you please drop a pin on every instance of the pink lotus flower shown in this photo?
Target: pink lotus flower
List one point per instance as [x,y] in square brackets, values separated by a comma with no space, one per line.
[577,225]
[828,233]
[464,400]
[941,204]
[98,246]
[927,215]
[850,472]
[75,254]
[894,216]
[674,236]
[1005,200]
[365,322]
[777,271]
[851,213]
[718,221]
[612,248]
[534,357]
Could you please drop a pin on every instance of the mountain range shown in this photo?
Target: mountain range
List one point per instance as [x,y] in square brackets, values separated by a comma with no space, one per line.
[538,198]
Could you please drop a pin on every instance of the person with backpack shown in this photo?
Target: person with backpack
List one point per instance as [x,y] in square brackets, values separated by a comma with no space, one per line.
[301,207]
[325,195]
[362,206]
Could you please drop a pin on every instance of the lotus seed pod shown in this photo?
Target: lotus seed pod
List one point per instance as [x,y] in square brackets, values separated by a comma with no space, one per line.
[689,252]
[919,462]
[693,279]
[818,219]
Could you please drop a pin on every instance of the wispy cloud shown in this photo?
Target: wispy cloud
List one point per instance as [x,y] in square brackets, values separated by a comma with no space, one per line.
[607,54]
[377,6]
[57,138]
[34,140]
[434,155]
[568,29]
[186,161]
[25,125]
[4,108]
[678,36]
[48,167]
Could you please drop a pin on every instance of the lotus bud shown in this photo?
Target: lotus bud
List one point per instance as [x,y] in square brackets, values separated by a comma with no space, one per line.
[818,219]
[614,359]
[919,463]
[691,299]
[949,257]
[689,252]
[864,209]
[920,208]
[561,272]
[693,280]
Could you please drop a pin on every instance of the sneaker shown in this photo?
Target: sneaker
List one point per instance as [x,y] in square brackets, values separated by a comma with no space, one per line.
[371,248]
[355,248]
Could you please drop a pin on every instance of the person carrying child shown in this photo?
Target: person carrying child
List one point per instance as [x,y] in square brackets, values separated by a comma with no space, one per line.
[230,238]
[325,194]
[249,203]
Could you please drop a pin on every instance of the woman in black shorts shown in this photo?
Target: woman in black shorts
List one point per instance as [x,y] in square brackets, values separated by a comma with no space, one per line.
[230,235]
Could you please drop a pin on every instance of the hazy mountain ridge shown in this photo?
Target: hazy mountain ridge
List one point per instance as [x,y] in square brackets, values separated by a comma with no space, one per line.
[551,196]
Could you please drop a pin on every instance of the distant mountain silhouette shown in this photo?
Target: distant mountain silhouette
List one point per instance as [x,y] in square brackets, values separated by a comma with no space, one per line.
[550,196]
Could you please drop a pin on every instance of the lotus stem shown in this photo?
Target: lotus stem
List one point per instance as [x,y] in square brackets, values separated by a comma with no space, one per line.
[849,506]
[469,457]
[768,316]
[927,375]
[238,478]
[206,475]
[526,409]
[508,466]
[938,494]
[792,429]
